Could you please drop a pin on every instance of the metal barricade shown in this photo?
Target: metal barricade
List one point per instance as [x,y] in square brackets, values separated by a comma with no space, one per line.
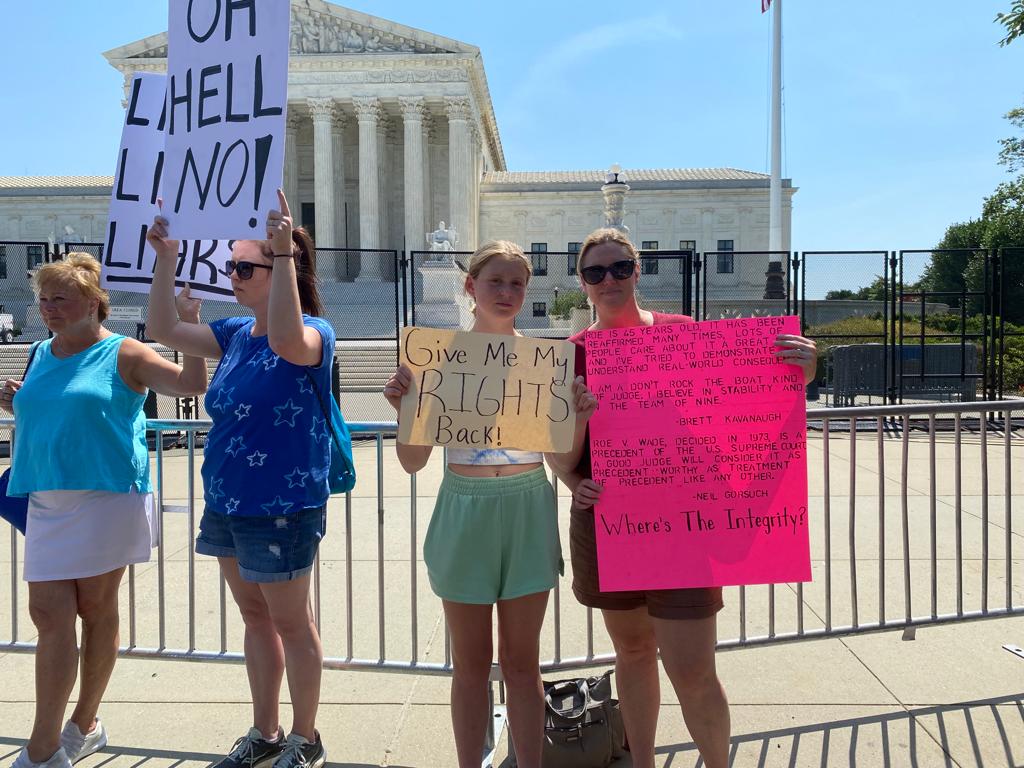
[920,531]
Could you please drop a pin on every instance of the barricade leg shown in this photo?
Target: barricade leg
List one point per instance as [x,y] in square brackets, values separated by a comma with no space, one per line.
[495,725]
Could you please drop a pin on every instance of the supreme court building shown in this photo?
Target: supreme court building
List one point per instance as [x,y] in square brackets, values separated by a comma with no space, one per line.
[390,131]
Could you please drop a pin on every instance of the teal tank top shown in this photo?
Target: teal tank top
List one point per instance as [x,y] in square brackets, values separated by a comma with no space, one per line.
[78,426]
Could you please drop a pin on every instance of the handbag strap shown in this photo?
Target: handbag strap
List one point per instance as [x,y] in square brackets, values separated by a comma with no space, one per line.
[323,408]
[31,357]
[580,685]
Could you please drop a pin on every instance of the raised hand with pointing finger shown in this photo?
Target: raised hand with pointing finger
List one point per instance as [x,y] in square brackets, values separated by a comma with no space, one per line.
[279,228]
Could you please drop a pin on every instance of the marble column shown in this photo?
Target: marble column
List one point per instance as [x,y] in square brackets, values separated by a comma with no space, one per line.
[341,122]
[383,178]
[429,225]
[323,170]
[460,169]
[291,164]
[368,113]
[476,154]
[413,112]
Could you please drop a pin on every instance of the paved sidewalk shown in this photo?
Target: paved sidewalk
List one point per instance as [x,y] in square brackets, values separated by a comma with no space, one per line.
[951,697]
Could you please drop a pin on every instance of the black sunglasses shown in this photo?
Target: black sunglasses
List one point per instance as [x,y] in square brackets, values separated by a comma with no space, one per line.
[244,268]
[621,270]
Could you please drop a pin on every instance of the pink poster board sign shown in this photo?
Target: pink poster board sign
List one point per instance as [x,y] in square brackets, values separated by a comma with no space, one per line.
[700,443]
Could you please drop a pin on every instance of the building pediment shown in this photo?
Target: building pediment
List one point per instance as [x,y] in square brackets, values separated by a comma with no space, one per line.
[320,28]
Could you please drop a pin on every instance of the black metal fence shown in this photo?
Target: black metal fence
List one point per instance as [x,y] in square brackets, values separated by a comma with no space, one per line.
[891,339]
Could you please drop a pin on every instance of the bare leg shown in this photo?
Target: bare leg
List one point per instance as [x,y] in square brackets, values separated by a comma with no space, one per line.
[97,605]
[53,608]
[636,679]
[519,623]
[264,655]
[472,653]
[688,654]
[292,616]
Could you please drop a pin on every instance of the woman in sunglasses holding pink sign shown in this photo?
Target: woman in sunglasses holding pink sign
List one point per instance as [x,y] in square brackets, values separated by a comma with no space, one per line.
[678,623]
[265,468]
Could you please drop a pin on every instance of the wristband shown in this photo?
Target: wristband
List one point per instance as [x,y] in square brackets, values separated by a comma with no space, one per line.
[282,256]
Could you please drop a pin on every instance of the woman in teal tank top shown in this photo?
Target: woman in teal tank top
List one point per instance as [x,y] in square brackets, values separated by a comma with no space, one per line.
[88,518]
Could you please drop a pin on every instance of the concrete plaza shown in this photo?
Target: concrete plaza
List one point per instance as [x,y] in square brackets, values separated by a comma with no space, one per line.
[951,697]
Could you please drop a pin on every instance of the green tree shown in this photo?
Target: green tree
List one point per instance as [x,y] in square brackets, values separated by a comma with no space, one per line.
[568,301]
[1013,22]
[844,293]
[959,263]
[1003,213]
[875,291]
[952,267]
[1012,153]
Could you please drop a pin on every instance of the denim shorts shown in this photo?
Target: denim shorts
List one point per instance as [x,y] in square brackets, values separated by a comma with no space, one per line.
[268,549]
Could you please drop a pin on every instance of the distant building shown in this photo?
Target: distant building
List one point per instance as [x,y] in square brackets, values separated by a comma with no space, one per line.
[408,138]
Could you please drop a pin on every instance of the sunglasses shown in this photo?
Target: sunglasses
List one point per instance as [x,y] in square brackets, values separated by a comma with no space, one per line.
[243,268]
[621,270]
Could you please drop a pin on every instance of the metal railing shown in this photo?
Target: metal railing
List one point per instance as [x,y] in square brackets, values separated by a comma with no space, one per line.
[928,538]
[915,434]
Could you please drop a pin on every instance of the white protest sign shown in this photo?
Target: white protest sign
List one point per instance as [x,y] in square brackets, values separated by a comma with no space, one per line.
[227,87]
[128,260]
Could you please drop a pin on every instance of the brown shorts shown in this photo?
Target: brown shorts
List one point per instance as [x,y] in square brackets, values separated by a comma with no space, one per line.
[661,603]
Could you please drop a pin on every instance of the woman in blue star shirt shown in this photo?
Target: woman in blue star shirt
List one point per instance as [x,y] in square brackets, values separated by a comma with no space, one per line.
[265,468]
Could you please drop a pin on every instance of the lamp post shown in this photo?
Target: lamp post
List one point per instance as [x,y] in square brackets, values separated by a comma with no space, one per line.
[614,190]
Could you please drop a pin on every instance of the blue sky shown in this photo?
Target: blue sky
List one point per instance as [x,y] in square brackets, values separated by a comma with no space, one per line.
[893,109]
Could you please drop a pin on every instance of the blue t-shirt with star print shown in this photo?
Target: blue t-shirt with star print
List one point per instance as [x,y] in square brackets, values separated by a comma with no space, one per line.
[269,449]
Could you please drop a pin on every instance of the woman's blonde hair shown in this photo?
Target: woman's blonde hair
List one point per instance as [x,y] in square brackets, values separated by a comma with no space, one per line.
[605,235]
[78,270]
[496,249]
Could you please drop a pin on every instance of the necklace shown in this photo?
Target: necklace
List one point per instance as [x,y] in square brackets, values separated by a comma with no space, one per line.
[62,347]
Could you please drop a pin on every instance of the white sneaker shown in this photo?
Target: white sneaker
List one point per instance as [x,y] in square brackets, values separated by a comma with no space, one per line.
[78,745]
[58,759]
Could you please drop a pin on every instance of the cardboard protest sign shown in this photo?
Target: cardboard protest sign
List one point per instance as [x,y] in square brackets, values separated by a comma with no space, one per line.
[700,443]
[128,260]
[482,390]
[227,89]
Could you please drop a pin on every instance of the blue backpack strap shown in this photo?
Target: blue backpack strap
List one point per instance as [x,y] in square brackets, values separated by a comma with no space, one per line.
[342,472]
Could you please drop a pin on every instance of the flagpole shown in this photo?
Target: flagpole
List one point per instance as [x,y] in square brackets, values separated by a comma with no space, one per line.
[774,286]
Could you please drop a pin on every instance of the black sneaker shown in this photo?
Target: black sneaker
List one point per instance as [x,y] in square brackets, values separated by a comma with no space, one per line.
[300,753]
[253,751]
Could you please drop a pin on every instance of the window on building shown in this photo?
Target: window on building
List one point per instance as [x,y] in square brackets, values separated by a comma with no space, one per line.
[725,258]
[3,262]
[35,256]
[574,248]
[649,266]
[540,309]
[539,258]
[309,218]
[686,245]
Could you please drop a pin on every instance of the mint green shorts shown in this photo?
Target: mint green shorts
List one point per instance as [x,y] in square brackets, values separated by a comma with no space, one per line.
[493,538]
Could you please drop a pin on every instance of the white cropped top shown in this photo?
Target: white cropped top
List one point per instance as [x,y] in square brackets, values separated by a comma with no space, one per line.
[492,456]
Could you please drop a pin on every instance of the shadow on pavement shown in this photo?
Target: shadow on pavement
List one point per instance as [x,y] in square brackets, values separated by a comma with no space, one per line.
[902,738]
[114,756]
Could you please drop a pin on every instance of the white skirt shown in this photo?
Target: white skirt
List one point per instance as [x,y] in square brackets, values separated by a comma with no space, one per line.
[78,534]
